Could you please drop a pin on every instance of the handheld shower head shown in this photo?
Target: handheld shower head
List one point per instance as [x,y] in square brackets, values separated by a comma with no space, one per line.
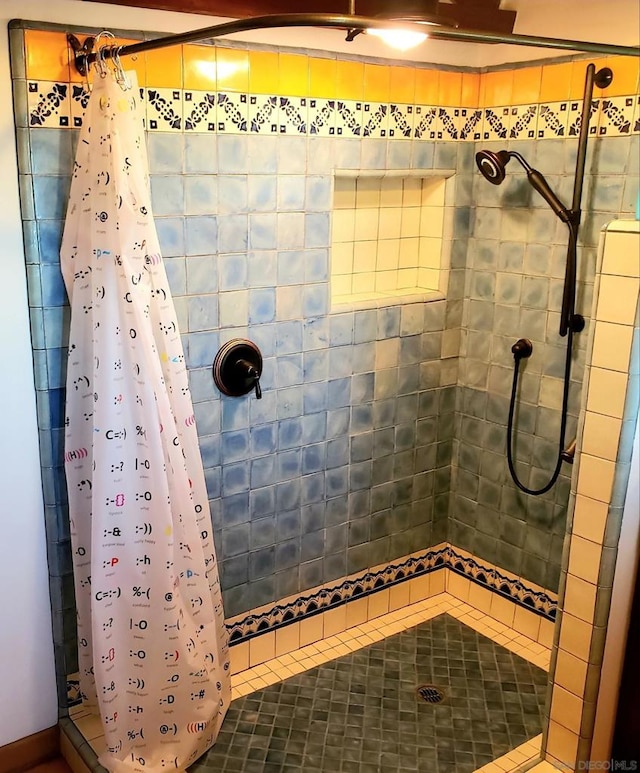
[492,166]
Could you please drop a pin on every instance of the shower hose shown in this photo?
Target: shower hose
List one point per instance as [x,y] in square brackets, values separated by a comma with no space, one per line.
[565,325]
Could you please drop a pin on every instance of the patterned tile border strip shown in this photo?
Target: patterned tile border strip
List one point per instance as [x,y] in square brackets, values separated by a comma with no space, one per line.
[305,607]
[62,105]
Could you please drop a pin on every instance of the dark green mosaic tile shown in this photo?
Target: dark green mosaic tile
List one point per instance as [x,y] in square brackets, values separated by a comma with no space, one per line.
[361,714]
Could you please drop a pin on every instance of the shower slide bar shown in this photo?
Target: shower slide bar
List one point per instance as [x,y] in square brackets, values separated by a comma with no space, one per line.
[84,55]
[492,167]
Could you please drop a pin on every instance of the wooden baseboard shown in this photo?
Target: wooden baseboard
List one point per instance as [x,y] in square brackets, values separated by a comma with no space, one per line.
[30,751]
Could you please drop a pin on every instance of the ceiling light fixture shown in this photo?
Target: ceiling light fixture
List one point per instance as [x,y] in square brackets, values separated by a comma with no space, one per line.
[404,32]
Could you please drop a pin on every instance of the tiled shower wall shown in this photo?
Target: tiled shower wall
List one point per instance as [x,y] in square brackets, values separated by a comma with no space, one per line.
[367,445]
[513,289]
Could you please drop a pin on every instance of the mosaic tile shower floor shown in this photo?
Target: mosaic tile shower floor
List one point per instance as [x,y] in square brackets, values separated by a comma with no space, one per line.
[361,713]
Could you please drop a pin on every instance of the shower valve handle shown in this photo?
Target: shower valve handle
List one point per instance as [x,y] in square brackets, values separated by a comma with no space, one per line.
[248,371]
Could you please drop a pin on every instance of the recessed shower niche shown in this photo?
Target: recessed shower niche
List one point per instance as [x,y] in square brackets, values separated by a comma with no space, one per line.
[391,237]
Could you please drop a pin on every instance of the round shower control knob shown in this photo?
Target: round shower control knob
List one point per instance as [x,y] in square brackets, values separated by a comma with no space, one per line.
[237,368]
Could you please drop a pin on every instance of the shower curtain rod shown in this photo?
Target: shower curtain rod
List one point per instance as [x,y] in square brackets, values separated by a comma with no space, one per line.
[85,56]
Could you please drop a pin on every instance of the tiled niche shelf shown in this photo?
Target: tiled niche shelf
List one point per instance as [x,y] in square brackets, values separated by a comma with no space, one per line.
[391,237]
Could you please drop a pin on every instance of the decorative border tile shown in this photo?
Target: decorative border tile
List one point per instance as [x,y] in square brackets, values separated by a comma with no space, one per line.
[48,105]
[164,109]
[375,119]
[293,115]
[199,111]
[261,116]
[232,112]
[575,118]
[615,118]
[495,123]
[426,123]
[348,118]
[553,119]
[307,606]
[523,122]
[62,105]
[79,99]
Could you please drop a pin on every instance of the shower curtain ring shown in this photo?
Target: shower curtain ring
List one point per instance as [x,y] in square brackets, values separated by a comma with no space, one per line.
[101,64]
[121,76]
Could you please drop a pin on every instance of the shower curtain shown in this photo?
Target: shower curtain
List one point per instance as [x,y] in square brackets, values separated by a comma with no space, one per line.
[153,650]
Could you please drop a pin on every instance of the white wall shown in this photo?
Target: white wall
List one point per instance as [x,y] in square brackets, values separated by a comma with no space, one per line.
[27,688]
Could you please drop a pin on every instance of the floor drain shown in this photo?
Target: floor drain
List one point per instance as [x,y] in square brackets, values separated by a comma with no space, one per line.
[430,694]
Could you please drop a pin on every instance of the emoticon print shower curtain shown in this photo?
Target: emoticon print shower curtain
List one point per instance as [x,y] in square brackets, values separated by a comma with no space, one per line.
[153,650]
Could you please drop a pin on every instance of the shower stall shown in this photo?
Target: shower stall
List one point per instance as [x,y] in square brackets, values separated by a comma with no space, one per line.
[326,213]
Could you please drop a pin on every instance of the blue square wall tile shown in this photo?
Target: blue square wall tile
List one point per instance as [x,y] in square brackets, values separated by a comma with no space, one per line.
[314,427]
[262,562]
[313,458]
[53,290]
[262,268]
[56,322]
[212,479]
[263,439]
[210,450]
[288,495]
[235,445]
[262,305]
[167,195]
[316,333]
[290,235]
[166,152]
[289,337]
[263,231]
[233,154]
[315,300]
[235,509]
[202,276]
[317,230]
[262,501]
[51,151]
[171,235]
[263,470]
[200,154]
[201,195]
[235,413]
[232,194]
[318,193]
[203,312]
[50,238]
[290,267]
[287,554]
[201,235]
[262,193]
[289,370]
[235,540]
[316,365]
[51,196]
[232,271]
[235,571]
[202,349]
[262,153]
[176,271]
[289,464]
[207,417]
[313,486]
[316,266]
[291,193]
[263,532]
[233,233]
